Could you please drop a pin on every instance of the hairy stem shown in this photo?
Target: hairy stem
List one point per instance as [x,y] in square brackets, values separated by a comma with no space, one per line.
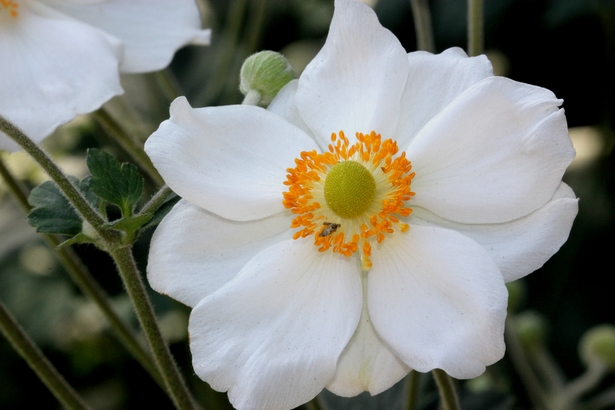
[80,274]
[71,192]
[136,290]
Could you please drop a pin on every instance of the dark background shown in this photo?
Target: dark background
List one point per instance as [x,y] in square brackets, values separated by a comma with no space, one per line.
[567,46]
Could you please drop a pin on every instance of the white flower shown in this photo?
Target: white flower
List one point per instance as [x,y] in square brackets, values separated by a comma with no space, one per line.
[60,58]
[284,305]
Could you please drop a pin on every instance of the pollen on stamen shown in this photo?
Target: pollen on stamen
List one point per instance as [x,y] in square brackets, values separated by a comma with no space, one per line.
[305,196]
[11,7]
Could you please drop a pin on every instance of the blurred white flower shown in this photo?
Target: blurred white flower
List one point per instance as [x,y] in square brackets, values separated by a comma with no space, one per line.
[60,58]
[316,254]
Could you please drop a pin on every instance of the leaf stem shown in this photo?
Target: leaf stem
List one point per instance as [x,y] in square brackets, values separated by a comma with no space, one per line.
[38,362]
[71,192]
[136,290]
[422,25]
[475,28]
[446,387]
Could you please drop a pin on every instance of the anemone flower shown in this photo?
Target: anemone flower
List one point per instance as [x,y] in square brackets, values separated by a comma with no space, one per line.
[61,58]
[363,225]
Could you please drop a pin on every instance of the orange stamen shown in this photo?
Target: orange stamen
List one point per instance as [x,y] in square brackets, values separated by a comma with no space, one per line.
[11,6]
[304,195]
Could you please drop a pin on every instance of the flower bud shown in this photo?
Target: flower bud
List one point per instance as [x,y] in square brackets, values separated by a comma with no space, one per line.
[597,345]
[531,328]
[262,75]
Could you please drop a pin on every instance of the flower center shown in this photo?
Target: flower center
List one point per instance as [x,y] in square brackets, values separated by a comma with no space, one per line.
[349,189]
[350,195]
[11,6]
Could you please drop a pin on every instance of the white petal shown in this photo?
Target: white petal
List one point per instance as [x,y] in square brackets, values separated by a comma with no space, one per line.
[355,82]
[230,160]
[44,75]
[521,246]
[438,299]
[151,30]
[496,153]
[285,106]
[366,364]
[273,335]
[194,253]
[433,82]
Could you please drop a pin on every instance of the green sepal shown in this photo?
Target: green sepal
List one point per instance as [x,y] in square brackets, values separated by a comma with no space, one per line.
[118,184]
[52,212]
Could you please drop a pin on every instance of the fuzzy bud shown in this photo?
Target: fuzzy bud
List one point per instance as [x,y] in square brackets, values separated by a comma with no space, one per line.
[597,345]
[263,75]
[531,328]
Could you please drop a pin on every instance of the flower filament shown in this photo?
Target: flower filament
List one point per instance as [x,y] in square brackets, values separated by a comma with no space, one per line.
[350,195]
[10,6]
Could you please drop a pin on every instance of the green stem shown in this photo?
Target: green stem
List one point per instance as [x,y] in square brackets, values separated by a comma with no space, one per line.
[168,84]
[314,404]
[254,30]
[80,274]
[601,401]
[15,188]
[475,27]
[570,394]
[128,144]
[422,25]
[521,363]
[71,192]
[157,200]
[412,390]
[253,97]
[227,52]
[446,387]
[38,362]
[136,290]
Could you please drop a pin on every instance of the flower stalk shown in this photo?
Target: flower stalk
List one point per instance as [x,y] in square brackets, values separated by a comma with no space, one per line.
[38,362]
[422,25]
[475,28]
[80,274]
[446,387]
[176,386]
[412,387]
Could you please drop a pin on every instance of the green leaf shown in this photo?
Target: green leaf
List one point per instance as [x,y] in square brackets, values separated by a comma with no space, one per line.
[52,212]
[118,184]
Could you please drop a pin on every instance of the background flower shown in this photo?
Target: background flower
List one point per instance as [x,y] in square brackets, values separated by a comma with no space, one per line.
[273,318]
[60,58]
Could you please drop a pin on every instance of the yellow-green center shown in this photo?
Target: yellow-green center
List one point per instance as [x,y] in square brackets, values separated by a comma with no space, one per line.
[349,189]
